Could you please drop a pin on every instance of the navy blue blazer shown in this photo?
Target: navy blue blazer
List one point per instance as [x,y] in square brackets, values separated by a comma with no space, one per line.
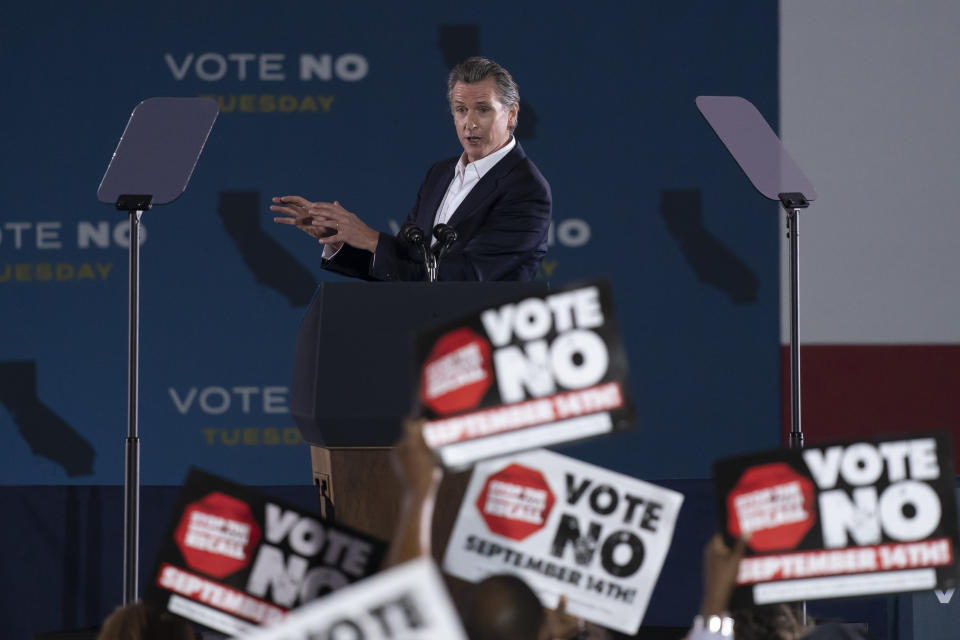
[501,228]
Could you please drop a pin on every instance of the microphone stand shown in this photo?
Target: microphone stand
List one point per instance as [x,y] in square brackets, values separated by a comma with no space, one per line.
[430,263]
[412,234]
[446,236]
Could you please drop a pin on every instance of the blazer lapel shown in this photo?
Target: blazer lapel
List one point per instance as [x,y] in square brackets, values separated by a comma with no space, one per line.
[433,197]
[486,186]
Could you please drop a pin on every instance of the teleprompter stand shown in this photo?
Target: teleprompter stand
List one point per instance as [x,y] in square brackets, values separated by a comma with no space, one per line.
[759,152]
[152,165]
[792,203]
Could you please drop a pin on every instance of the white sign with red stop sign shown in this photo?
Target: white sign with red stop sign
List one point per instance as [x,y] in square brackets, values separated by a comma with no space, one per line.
[567,528]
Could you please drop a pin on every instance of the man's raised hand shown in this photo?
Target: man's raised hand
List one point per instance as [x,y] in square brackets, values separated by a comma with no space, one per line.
[328,222]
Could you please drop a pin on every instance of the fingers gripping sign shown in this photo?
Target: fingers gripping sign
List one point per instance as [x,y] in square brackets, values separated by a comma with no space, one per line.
[720,566]
[560,624]
[414,463]
[328,222]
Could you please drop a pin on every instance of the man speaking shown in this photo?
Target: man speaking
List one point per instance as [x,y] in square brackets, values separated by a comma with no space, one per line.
[492,195]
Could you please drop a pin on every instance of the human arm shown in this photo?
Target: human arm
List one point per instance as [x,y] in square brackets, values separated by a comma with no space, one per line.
[418,473]
[502,231]
[331,224]
[720,567]
[560,625]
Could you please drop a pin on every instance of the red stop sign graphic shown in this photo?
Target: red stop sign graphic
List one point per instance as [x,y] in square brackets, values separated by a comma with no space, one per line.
[457,373]
[775,504]
[515,502]
[217,534]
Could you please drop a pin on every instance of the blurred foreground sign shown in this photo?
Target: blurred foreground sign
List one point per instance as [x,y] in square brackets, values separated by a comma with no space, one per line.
[408,601]
[522,375]
[841,520]
[233,558]
[567,528]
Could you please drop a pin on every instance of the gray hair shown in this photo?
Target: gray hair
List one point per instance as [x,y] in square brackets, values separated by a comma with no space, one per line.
[477,69]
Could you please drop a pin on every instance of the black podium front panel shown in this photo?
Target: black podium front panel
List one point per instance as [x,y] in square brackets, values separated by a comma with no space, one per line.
[353,372]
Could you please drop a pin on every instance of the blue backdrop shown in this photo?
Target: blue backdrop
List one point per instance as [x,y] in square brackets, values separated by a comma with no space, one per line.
[347,101]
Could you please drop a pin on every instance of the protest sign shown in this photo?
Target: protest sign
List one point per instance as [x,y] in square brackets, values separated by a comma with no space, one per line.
[567,528]
[233,558]
[522,375]
[408,601]
[848,519]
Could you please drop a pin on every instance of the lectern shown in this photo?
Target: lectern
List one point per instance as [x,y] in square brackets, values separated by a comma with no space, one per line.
[354,381]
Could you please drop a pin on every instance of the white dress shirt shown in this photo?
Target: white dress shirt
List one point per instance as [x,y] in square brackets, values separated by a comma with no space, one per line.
[465,178]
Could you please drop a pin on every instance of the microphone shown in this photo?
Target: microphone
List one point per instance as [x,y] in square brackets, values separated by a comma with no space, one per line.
[414,236]
[411,234]
[446,236]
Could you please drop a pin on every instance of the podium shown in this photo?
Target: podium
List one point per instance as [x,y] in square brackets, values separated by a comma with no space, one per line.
[355,379]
